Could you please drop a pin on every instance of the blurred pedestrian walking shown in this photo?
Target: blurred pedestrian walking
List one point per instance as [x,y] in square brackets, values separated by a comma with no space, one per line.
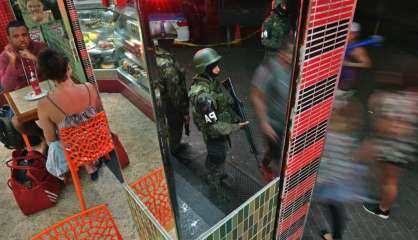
[394,121]
[341,174]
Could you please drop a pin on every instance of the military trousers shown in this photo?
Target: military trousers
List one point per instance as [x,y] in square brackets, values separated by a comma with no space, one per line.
[175,122]
[217,149]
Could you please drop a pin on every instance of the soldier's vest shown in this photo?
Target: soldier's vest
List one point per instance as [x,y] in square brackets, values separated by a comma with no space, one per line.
[171,72]
[222,103]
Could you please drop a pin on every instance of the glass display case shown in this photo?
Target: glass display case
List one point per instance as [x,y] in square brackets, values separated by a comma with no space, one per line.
[113,41]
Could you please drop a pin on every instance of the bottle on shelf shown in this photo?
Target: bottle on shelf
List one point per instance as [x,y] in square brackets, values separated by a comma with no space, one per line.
[35,84]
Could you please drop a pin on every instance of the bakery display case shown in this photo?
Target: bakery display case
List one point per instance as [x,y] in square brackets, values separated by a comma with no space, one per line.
[113,40]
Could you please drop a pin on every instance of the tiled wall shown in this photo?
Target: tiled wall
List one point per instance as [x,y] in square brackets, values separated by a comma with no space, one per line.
[253,220]
[147,226]
[323,42]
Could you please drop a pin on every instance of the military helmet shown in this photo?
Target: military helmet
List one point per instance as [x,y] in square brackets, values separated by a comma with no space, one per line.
[162,30]
[205,57]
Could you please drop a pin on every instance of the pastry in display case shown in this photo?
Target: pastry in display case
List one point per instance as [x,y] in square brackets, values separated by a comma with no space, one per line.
[113,41]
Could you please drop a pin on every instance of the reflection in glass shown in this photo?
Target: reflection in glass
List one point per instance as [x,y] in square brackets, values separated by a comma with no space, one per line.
[114,43]
[223,164]
[37,13]
[270,92]
[113,39]
[216,171]
[171,87]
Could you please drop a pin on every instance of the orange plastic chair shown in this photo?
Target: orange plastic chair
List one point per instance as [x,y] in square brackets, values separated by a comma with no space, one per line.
[85,144]
[94,223]
[27,142]
[153,192]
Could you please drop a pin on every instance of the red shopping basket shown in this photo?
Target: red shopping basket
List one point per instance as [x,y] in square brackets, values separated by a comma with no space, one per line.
[33,187]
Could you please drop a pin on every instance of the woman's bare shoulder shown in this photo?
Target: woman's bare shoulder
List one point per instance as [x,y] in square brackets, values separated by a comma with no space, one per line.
[44,106]
[44,102]
[93,88]
[91,85]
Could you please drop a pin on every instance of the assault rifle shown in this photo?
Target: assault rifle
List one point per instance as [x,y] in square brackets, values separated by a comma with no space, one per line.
[239,109]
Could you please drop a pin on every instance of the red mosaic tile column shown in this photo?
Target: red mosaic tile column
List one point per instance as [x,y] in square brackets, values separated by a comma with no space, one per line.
[6,14]
[323,43]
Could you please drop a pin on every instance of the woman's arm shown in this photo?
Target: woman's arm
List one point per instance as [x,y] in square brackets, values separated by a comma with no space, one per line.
[48,127]
[95,97]
[360,57]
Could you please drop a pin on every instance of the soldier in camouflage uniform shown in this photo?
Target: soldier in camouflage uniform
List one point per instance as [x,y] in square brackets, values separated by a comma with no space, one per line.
[212,112]
[172,87]
[275,29]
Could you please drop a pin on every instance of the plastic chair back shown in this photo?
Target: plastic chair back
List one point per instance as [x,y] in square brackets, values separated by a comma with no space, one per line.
[153,191]
[87,142]
[94,223]
[83,144]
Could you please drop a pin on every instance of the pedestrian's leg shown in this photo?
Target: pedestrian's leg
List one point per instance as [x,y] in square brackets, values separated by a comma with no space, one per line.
[389,185]
[269,157]
[337,214]
[276,155]
[389,192]
[269,154]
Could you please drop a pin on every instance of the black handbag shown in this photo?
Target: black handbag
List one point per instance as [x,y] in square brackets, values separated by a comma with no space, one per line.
[10,138]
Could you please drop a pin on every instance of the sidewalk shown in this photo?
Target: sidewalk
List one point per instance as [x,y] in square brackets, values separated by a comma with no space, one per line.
[402,224]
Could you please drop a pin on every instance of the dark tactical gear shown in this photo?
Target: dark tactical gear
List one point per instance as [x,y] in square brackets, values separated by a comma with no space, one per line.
[212,109]
[205,57]
[275,30]
[214,117]
[175,102]
[217,150]
[212,113]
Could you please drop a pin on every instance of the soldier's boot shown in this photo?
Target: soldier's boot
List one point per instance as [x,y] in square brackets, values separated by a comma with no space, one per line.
[182,152]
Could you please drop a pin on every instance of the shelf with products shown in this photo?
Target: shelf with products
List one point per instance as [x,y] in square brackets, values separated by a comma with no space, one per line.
[140,78]
[130,56]
[111,36]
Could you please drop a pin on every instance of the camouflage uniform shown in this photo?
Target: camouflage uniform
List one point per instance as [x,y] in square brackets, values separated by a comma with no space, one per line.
[213,115]
[275,29]
[175,102]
